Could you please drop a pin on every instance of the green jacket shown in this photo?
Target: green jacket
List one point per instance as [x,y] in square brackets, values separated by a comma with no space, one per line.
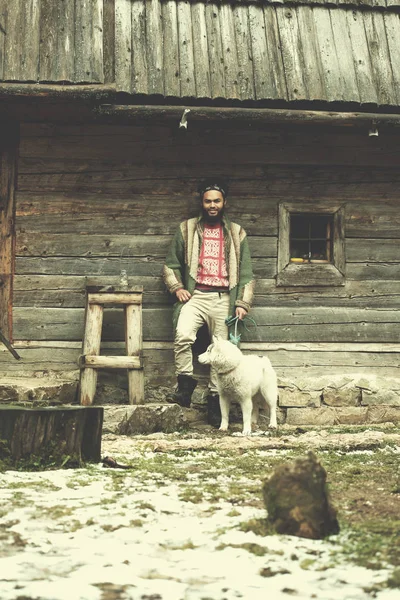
[181,265]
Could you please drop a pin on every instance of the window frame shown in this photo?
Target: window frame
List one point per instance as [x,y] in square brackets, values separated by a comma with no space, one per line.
[311,274]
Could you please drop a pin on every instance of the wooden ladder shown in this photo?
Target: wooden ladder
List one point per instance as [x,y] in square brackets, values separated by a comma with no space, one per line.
[130,298]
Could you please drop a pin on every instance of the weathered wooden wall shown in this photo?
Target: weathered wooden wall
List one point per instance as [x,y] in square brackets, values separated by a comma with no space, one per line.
[93,200]
[55,41]
[260,50]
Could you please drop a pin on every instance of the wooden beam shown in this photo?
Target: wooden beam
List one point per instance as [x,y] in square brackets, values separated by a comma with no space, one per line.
[111,362]
[263,115]
[98,92]
[8,169]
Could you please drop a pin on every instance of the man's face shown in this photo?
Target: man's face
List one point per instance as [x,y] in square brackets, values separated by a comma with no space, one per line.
[213,205]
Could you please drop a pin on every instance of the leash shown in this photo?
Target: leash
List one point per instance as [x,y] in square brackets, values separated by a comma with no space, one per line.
[230,321]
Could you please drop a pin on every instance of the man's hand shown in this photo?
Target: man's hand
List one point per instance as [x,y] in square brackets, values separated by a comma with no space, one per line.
[240,312]
[183,295]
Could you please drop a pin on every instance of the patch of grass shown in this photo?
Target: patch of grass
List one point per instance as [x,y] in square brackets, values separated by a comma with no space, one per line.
[258,526]
[191,495]
[373,544]
[255,549]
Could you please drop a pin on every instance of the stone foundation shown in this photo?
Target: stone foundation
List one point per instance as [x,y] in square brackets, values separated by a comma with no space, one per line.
[322,401]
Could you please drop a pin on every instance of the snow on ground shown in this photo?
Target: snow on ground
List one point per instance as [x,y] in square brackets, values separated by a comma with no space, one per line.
[103,534]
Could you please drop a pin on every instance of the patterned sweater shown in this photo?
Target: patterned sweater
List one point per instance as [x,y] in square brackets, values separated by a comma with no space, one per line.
[181,265]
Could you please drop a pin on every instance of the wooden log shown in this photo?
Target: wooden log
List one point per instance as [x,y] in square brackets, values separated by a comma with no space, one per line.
[266,115]
[121,298]
[91,345]
[54,434]
[134,344]
[111,362]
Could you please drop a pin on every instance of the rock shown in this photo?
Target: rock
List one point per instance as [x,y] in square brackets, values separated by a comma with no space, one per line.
[34,391]
[344,396]
[297,501]
[143,418]
[295,397]
[380,397]
[311,416]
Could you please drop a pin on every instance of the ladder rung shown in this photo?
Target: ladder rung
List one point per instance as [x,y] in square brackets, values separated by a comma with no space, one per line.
[118,298]
[111,362]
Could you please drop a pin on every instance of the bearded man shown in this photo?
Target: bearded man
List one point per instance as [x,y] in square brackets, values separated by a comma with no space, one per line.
[208,269]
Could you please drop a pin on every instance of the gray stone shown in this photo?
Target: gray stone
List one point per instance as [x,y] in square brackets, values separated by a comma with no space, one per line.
[343,396]
[297,501]
[351,416]
[289,397]
[143,418]
[311,416]
[379,397]
[37,391]
[383,414]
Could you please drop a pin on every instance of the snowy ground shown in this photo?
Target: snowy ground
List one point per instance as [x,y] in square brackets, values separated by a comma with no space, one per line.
[147,534]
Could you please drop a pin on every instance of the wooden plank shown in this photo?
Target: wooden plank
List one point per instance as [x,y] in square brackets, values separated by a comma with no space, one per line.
[111,362]
[277,72]
[229,52]
[361,57]
[217,74]
[109,48]
[139,55]
[134,345]
[3,35]
[69,291]
[171,69]
[272,148]
[89,41]
[158,348]
[374,250]
[135,267]
[344,52]
[380,57]
[333,79]
[380,220]
[200,50]
[312,64]
[118,298]
[153,48]
[292,53]
[123,45]
[8,169]
[373,271]
[57,291]
[243,49]
[264,83]
[29,244]
[57,39]
[392,27]
[91,345]
[274,324]
[22,41]
[186,58]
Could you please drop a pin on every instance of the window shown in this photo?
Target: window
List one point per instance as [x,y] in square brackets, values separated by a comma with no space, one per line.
[311,245]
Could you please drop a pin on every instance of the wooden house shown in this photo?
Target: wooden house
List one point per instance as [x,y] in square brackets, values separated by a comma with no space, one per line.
[112,110]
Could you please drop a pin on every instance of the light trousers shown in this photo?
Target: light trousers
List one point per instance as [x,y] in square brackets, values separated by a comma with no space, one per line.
[211,308]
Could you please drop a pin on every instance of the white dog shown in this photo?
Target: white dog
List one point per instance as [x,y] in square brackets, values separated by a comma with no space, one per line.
[239,378]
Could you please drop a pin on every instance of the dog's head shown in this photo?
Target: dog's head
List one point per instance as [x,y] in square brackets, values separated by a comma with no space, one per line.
[222,355]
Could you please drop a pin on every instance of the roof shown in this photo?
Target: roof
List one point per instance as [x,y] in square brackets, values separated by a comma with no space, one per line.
[345,51]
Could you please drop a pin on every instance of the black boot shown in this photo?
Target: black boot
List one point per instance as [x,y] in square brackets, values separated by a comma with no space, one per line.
[183,395]
[213,410]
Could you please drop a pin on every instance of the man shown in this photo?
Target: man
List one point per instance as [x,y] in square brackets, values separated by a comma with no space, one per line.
[208,268]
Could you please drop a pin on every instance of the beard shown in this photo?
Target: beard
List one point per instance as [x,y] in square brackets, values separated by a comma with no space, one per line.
[213,219]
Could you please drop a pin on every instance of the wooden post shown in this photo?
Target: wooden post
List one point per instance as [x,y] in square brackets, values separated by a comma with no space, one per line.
[8,161]
[51,433]
[133,341]
[91,346]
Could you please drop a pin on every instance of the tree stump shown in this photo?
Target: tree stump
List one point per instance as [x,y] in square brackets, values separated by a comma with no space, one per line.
[297,500]
[56,435]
